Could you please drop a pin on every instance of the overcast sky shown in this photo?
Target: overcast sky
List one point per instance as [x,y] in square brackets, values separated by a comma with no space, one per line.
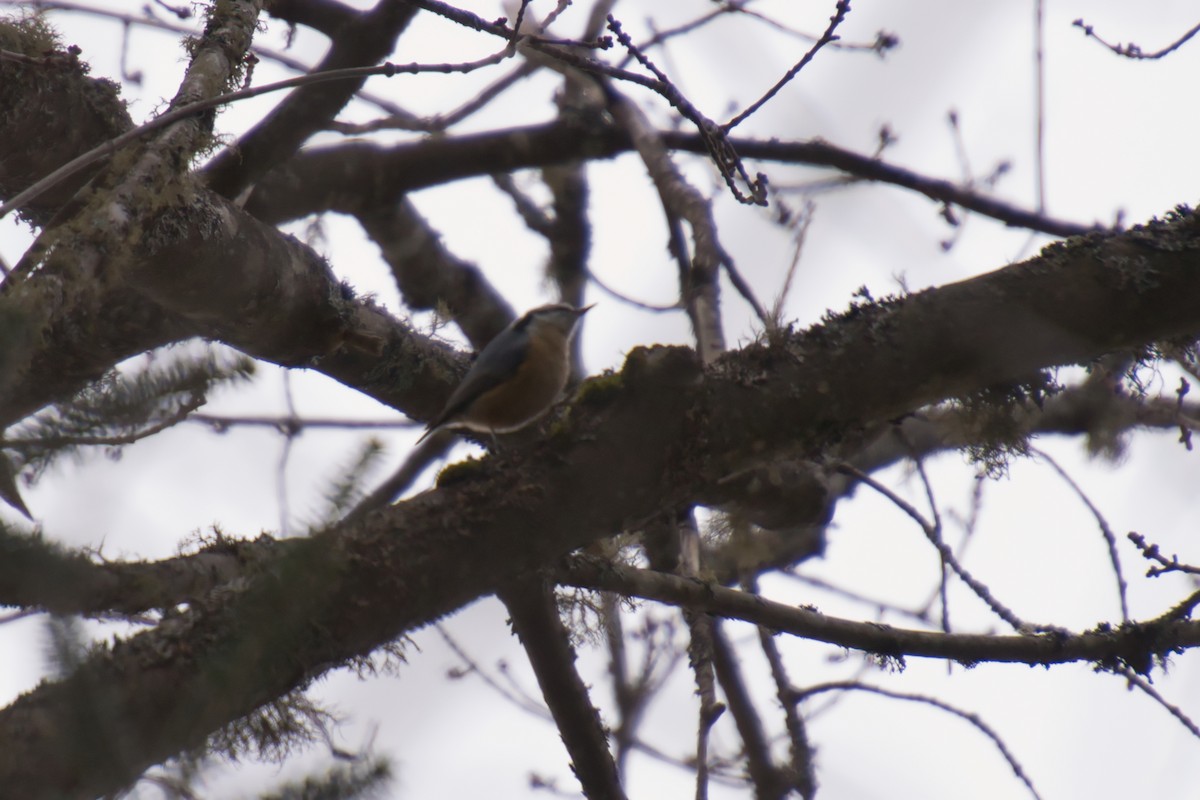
[1119,139]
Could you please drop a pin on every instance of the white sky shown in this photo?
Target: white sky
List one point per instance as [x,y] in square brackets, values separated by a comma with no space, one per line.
[1118,137]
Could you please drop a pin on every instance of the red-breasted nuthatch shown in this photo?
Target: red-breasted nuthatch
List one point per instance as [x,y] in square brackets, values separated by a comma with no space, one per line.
[517,376]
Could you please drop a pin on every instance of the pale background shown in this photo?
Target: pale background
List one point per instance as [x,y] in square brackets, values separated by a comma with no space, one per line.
[1120,136]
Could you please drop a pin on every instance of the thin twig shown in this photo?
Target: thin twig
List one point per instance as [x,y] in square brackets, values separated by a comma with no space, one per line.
[624,298]
[1110,539]
[799,238]
[172,419]
[283,423]
[803,778]
[973,719]
[842,9]
[285,455]
[979,588]
[534,217]
[1175,711]
[943,577]
[881,606]
[1134,51]
[403,120]
[1152,553]
[521,701]
[720,150]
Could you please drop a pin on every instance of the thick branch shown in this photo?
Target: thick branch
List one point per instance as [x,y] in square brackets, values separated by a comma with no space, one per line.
[71,112]
[661,434]
[210,269]
[36,574]
[237,281]
[75,344]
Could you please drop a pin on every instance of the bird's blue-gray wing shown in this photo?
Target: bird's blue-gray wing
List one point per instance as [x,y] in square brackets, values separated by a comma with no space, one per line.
[496,363]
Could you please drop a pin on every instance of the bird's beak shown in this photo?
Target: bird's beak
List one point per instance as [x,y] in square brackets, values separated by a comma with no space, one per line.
[586,309]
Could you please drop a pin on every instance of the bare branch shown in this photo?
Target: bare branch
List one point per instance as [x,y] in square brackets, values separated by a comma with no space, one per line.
[37,574]
[1175,711]
[535,620]
[843,8]
[933,534]
[384,174]
[717,144]
[769,783]
[1152,553]
[803,776]
[1134,51]
[1128,644]
[1110,538]
[516,698]
[974,719]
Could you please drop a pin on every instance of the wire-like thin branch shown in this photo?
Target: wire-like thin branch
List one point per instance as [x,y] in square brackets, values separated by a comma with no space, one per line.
[1174,710]
[174,418]
[800,236]
[973,719]
[1134,51]
[722,152]
[221,423]
[283,501]
[436,123]
[937,530]
[1110,539]
[534,217]
[518,700]
[718,146]
[633,692]
[881,606]
[843,8]
[979,588]
[1039,133]
[624,298]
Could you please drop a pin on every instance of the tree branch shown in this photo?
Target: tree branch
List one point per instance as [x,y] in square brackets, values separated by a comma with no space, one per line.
[535,620]
[315,180]
[1135,645]
[36,574]
[662,435]
[368,39]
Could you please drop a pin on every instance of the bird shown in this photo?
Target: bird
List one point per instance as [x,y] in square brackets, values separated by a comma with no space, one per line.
[517,376]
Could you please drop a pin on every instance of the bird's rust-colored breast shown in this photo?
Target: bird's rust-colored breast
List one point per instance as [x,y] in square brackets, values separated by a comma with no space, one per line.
[531,391]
